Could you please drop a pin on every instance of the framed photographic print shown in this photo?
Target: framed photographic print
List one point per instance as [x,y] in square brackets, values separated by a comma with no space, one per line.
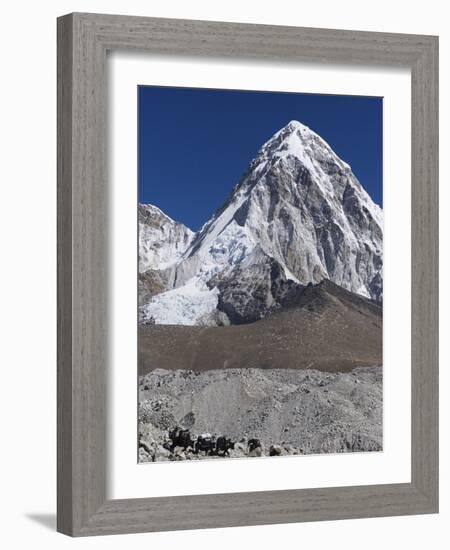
[247,269]
[260,318]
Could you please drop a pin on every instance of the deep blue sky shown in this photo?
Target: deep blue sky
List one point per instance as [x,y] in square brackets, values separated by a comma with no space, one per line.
[194,144]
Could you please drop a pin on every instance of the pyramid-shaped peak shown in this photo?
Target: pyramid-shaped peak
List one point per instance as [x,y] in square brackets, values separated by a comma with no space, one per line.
[294,130]
[291,138]
[296,125]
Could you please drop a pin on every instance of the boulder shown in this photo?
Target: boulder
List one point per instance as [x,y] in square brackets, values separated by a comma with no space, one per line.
[144,456]
[161,453]
[255,452]
[275,450]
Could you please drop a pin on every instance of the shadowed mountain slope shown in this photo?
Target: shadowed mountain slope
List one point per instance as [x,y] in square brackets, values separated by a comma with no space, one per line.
[323,327]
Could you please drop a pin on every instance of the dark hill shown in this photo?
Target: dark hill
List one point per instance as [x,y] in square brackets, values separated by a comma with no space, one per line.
[322,326]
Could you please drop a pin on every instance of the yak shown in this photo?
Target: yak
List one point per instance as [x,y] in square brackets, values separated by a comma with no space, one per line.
[205,443]
[180,438]
[223,445]
[253,444]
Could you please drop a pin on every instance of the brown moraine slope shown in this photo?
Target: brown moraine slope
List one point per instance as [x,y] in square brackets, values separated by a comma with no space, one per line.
[324,327]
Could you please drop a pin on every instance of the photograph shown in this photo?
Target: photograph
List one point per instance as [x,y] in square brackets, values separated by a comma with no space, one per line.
[260,274]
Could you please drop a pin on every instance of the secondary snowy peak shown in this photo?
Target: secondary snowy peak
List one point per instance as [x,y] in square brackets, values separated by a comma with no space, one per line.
[162,240]
[305,209]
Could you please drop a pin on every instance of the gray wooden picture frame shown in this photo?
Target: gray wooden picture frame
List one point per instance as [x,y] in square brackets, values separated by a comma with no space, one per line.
[83,41]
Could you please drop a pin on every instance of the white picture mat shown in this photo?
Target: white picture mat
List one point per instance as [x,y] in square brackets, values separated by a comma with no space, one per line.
[127,479]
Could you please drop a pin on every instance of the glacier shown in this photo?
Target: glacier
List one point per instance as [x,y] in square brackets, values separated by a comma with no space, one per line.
[190,304]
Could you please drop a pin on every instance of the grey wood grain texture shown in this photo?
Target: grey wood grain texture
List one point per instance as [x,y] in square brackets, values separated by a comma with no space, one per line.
[83,40]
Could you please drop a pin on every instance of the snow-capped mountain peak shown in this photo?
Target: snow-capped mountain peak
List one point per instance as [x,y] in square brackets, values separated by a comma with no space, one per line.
[162,240]
[298,207]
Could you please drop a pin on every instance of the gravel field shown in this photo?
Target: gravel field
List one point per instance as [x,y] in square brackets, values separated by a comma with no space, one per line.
[289,411]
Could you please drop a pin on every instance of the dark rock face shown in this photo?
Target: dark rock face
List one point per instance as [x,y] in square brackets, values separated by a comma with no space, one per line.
[150,283]
[250,292]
